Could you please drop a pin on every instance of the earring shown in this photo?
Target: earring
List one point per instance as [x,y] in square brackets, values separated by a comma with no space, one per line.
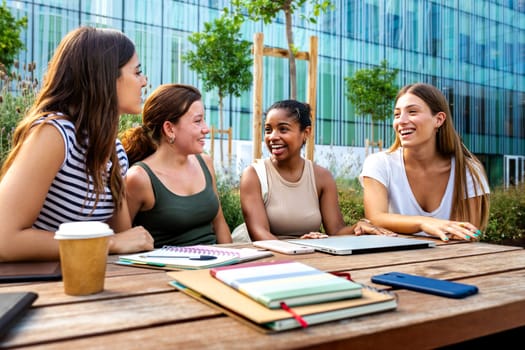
[171,140]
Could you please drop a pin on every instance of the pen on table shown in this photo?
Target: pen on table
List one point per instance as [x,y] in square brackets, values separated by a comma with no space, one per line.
[199,257]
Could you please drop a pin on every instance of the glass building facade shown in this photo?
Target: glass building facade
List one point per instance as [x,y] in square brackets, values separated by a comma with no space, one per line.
[474,51]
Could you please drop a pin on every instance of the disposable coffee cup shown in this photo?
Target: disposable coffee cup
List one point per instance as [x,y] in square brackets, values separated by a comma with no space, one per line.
[83,249]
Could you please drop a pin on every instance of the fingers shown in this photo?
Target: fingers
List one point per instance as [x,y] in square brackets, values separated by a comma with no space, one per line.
[314,235]
[364,226]
[459,230]
[473,231]
[386,232]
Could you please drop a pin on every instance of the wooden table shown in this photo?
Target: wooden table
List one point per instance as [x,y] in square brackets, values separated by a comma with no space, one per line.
[139,310]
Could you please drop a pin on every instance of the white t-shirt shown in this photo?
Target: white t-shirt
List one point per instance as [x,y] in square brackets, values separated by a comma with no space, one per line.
[389,169]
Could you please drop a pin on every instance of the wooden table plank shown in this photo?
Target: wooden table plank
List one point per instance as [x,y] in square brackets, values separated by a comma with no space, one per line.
[439,253]
[52,293]
[44,324]
[413,325]
[451,269]
[139,306]
[136,281]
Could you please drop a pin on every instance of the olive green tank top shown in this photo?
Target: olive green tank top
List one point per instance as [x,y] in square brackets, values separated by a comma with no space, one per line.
[180,220]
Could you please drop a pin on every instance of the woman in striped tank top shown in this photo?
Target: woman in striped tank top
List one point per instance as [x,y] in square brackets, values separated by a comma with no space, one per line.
[66,163]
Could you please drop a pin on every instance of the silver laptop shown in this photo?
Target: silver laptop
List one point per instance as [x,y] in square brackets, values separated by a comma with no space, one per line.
[346,245]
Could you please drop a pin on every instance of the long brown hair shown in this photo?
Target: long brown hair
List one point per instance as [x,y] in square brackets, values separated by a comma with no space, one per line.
[81,84]
[448,143]
[168,102]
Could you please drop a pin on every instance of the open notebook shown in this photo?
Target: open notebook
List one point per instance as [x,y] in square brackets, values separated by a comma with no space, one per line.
[346,245]
[191,257]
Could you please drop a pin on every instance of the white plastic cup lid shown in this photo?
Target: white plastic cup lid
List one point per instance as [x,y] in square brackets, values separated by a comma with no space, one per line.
[83,230]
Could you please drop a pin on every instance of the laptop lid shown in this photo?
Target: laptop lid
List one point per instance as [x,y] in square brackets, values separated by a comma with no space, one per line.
[346,245]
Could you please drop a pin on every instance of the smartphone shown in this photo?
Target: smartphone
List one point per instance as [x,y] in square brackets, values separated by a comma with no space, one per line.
[425,284]
[283,247]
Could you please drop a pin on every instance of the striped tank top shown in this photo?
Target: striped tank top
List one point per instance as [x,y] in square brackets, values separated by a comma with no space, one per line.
[71,196]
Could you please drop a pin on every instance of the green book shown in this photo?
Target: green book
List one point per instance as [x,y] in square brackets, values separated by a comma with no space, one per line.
[289,282]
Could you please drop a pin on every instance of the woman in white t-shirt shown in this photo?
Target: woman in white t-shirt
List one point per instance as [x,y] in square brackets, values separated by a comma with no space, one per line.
[428,182]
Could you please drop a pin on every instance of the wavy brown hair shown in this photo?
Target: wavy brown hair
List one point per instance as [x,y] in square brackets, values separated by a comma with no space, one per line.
[81,83]
[168,102]
[448,143]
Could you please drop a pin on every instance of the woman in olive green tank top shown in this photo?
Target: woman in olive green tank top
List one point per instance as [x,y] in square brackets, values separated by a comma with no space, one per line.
[171,187]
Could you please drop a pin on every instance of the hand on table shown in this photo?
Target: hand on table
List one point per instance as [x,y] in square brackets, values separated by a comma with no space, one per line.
[446,229]
[136,239]
[314,235]
[364,226]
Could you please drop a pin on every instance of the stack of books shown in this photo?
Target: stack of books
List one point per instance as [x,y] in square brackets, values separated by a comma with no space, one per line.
[281,295]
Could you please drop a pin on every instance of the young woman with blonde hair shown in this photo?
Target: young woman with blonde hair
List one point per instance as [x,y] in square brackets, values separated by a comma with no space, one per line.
[428,182]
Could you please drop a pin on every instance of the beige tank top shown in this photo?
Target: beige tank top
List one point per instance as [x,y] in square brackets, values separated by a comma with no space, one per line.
[292,207]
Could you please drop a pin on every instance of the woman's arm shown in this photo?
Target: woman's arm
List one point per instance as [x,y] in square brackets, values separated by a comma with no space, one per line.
[375,201]
[220,226]
[331,212]
[328,201]
[127,239]
[252,205]
[139,193]
[23,190]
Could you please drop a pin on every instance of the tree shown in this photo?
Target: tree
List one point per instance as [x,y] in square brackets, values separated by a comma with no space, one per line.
[10,29]
[221,59]
[267,10]
[372,91]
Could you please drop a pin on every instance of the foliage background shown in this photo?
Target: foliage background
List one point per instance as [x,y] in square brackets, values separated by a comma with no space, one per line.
[10,29]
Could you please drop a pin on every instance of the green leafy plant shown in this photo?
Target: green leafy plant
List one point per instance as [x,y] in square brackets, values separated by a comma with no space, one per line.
[229,196]
[507,216]
[221,60]
[10,29]
[128,121]
[17,93]
[268,10]
[372,92]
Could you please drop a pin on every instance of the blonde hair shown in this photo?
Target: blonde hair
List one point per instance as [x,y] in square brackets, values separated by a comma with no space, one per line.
[448,143]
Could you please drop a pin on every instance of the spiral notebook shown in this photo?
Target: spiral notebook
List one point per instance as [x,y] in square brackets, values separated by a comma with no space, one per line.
[191,257]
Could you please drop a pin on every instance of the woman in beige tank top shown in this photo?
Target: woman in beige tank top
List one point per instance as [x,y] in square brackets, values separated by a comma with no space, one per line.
[302,196]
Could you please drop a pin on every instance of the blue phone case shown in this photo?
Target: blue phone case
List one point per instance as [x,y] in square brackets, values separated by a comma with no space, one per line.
[425,284]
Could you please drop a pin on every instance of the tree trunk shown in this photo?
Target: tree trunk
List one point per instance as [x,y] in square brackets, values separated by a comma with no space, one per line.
[221,128]
[372,133]
[289,37]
